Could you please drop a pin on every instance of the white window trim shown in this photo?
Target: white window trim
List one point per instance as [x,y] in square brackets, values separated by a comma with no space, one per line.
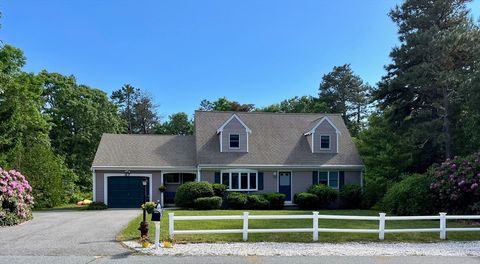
[329,142]
[328,178]
[239,180]
[229,141]
[133,174]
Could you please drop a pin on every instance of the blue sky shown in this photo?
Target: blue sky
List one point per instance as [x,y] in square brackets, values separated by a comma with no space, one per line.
[181,52]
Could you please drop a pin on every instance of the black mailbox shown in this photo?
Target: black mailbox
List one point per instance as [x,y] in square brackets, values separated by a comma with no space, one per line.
[157,213]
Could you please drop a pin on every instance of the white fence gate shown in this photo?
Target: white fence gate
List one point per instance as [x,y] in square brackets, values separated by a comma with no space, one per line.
[316,224]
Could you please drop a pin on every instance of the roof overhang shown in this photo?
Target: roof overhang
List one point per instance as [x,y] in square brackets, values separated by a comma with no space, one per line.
[325,118]
[280,166]
[169,168]
[220,130]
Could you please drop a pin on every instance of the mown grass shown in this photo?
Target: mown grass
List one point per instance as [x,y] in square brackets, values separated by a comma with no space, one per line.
[131,230]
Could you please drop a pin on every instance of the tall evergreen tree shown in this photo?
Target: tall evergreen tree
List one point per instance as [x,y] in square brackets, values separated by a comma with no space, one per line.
[125,98]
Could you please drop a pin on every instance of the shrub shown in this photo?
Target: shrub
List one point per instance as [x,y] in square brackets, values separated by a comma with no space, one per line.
[149,207]
[97,206]
[219,189]
[306,200]
[188,192]
[237,200]
[276,200]
[457,183]
[411,196]
[208,203]
[16,200]
[351,195]
[373,192]
[257,202]
[325,194]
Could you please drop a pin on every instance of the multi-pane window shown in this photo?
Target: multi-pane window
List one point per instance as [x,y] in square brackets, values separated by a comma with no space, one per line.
[240,180]
[234,141]
[324,142]
[329,178]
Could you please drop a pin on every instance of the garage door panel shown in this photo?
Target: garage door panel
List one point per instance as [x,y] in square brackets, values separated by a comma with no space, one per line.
[125,192]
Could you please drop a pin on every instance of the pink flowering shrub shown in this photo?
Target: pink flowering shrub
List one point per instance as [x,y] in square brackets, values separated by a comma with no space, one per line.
[16,200]
[456,181]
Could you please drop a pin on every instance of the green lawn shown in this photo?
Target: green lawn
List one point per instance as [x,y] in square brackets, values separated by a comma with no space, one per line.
[131,232]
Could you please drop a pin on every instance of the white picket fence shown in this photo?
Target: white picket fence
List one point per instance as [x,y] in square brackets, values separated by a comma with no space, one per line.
[316,224]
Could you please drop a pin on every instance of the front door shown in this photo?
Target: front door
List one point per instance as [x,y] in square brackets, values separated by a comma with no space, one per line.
[285,184]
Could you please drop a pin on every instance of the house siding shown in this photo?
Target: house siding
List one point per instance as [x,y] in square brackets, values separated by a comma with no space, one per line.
[234,127]
[325,128]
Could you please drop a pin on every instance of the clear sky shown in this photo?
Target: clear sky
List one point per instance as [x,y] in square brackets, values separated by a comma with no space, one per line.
[181,52]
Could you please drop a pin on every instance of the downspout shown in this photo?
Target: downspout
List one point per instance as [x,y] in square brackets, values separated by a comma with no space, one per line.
[199,175]
[94,187]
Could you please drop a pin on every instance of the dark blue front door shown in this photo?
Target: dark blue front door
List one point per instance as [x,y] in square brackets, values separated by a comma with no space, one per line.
[126,192]
[285,184]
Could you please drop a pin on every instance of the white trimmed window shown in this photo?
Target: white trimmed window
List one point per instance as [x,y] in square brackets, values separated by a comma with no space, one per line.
[240,180]
[329,178]
[234,141]
[325,142]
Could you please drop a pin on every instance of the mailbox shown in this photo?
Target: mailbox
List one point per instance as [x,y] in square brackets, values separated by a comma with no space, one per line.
[157,212]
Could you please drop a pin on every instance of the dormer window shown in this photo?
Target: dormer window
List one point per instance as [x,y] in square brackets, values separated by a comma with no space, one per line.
[324,142]
[234,141]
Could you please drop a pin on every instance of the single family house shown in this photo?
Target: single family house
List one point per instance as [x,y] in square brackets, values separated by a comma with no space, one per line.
[248,152]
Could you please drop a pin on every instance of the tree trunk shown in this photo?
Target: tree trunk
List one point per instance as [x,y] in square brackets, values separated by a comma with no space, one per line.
[446,123]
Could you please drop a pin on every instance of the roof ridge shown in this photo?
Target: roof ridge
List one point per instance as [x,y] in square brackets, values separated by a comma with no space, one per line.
[267,113]
[150,135]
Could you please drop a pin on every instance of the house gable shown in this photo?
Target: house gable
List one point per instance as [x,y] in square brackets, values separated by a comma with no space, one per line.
[325,130]
[233,135]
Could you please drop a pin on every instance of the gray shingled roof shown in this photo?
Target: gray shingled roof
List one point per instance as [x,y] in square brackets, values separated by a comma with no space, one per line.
[276,139]
[145,151]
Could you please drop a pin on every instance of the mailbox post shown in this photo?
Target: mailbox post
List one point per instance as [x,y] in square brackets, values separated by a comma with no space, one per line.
[156,218]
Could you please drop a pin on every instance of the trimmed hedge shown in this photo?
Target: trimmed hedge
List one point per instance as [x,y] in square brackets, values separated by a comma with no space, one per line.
[208,203]
[306,200]
[219,189]
[351,196]
[188,192]
[257,202]
[236,200]
[276,200]
[325,194]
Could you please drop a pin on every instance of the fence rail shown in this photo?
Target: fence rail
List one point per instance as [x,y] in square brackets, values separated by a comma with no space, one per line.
[315,230]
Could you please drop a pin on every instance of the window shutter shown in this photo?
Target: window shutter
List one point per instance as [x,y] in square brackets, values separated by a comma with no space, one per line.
[341,179]
[217,177]
[260,181]
[314,177]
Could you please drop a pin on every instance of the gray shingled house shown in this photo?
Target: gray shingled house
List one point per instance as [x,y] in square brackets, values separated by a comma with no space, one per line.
[248,152]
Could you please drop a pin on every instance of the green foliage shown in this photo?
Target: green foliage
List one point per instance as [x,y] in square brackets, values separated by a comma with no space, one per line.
[411,196]
[223,104]
[302,104]
[96,206]
[325,194]
[219,189]
[188,192]
[257,202]
[351,195]
[208,203]
[306,200]
[373,192]
[236,200]
[276,200]
[178,124]
[148,206]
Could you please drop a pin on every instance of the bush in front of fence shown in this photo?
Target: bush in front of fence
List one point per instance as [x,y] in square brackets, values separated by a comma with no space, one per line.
[219,189]
[188,192]
[236,200]
[208,203]
[326,195]
[276,200]
[411,196]
[306,200]
[350,196]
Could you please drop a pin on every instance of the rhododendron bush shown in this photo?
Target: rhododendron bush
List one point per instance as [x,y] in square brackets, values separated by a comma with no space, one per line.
[456,181]
[16,198]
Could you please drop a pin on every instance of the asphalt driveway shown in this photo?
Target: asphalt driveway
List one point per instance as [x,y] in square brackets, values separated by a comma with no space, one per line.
[67,233]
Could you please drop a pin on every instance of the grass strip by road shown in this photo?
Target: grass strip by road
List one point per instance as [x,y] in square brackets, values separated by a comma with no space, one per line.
[131,230]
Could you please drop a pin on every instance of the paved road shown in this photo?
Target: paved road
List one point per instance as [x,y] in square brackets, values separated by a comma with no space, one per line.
[234,260]
[66,233]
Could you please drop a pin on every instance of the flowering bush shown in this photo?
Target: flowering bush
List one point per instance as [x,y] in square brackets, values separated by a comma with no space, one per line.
[16,198]
[456,181]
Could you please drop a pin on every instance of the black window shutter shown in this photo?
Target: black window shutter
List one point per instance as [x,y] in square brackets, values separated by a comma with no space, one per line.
[217,177]
[260,181]
[314,177]
[342,179]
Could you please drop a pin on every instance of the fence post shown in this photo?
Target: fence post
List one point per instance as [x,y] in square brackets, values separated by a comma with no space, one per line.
[443,226]
[245,226]
[315,226]
[157,234]
[170,225]
[381,226]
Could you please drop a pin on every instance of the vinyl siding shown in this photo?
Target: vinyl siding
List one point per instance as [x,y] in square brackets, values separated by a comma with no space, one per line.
[325,128]
[234,127]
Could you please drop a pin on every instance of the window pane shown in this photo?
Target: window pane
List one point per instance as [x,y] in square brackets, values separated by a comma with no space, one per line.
[323,177]
[333,179]
[284,179]
[188,177]
[226,180]
[253,181]
[234,140]
[325,142]
[235,179]
[244,181]
[172,178]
